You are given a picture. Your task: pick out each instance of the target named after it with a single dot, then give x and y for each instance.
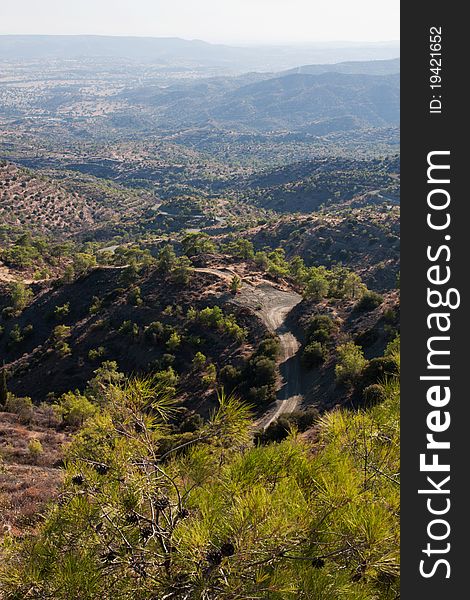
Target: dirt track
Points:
(272, 305)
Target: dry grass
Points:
(28, 480)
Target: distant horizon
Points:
(322, 43)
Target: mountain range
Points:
(177, 52)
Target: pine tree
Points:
(235, 284)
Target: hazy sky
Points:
(242, 21)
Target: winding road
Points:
(272, 305)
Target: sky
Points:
(218, 21)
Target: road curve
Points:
(289, 392)
(272, 305)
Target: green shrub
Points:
(323, 322)
(35, 448)
(235, 284)
(60, 312)
(351, 363)
(96, 353)
(210, 376)
(230, 376)
(276, 432)
(167, 379)
(305, 418)
(234, 330)
(8, 312)
(393, 349)
(261, 395)
(168, 360)
(23, 407)
(320, 335)
(20, 296)
(75, 409)
(373, 394)
(96, 305)
(317, 285)
(16, 335)
(174, 341)
(134, 297)
(379, 369)
(155, 332)
(269, 347)
(104, 376)
(191, 423)
(320, 329)
(182, 271)
(389, 315)
(314, 354)
(197, 243)
(263, 371)
(129, 328)
(240, 247)
(59, 336)
(279, 429)
(367, 337)
(369, 301)
(199, 361)
(28, 330)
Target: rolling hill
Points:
(305, 186)
(289, 103)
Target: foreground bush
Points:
(351, 363)
(214, 517)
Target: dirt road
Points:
(272, 305)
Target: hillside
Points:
(42, 205)
(65, 205)
(115, 330)
(102, 102)
(371, 328)
(306, 185)
(157, 321)
(365, 239)
(296, 100)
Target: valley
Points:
(199, 293)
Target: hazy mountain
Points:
(299, 102)
(196, 54)
(356, 67)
